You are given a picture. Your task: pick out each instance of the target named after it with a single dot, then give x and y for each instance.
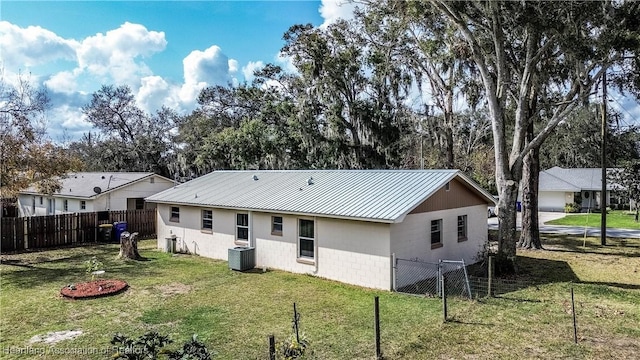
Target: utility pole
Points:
(603, 158)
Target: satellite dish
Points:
(97, 190)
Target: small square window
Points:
(462, 228)
(83, 205)
(447, 186)
(207, 220)
(152, 180)
(276, 225)
(242, 227)
(175, 214)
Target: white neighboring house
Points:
(337, 224)
(583, 186)
(94, 191)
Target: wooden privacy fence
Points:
(38, 232)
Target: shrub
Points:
(148, 346)
(571, 208)
(292, 349)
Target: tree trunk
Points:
(129, 246)
(530, 234)
(507, 219)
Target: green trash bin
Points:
(104, 232)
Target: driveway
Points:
(569, 230)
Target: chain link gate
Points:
(413, 276)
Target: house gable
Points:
(459, 195)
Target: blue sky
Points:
(165, 51)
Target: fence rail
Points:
(37, 232)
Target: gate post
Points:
(394, 272)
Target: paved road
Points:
(570, 230)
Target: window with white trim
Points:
(33, 206)
(276, 225)
(207, 220)
(83, 205)
(66, 205)
(242, 227)
(436, 233)
(175, 214)
(462, 227)
(306, 239)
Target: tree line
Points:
(496, 89)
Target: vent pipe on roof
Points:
(255, 177)
(310, 181)
(196, 195)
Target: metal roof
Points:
(374, 195)
(82, 184)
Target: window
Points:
(436, 233)
(139, 204)
(462, 228)
(66, 205)
(276, 225)
(306, 238)
(83, 205)
(175, 214)
(242, 227)
(447, 186)
(40, 200)
(207, 220)
(152, 180)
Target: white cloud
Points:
(332, 10)
(68, 123)
(155, 92)
(32, 46)
(114, 54)
(250, 68)
(64, 82)
(205, 68)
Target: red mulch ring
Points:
(94, 289)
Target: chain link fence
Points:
(423, 278)
(413, 276)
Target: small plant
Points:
(193, 349)
(294, 349)
(149, 346)
(571, 208)
(92, 265)
(145, 347)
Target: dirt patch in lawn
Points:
(55, 337)
(174, 289)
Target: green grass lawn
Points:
(615, 219)
(234, 313)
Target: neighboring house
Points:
(337, 224)
(559, 186)
(94, 191)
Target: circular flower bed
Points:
(93, 289)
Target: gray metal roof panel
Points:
(378, 195)
(81, 184)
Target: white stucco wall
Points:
(353, 252)
(411, 239)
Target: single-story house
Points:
(583, 186)
(343, 225)
(94, 191)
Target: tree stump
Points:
(129, 246)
